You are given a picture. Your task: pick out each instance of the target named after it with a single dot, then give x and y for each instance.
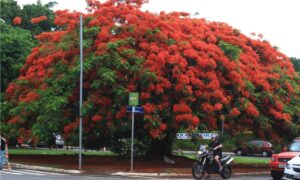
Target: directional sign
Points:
(137, 109)
(133, 99)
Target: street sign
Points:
(200, 135)
(133, 99)
(137, 109)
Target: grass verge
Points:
(57, 152)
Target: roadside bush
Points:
(122, 147)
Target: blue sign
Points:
(134, 109)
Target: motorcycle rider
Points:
(217, 150)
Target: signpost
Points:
(133, 102)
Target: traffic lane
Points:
(26, 176)
(216, 177)
(244, 178)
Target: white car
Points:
(292, 168)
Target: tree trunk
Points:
(161, 148)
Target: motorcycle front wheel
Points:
(198, 171)
(226, 172)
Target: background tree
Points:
(186, 70)
(296, 63)
(16, 44)
(10, 9)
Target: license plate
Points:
(297, 176)
(281, 166)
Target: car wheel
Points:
(264, 153)
(276, 175)
(239, 152)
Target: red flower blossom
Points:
(218, 106)
(97, 118)
(17, 20)
(195, 121)
(163, 127)
(38, 19)
(251, 110)
(235, 112)
(31, 96)
(182, 108)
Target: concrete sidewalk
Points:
(129, 174)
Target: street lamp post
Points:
(80, 103)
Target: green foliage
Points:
(36, 10)
(231, 51)
(296, 63)
(122, 147)
(170, 41)
(10, 9)
(16, 44)
(90, 32)
(264, 121)
(180, 144)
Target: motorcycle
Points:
(206, 163)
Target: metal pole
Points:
(132, 138)
(80, 103)
(222, 127)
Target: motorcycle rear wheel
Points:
(198, 171)
(226, 172)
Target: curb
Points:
(132, 174)
(42, 168)
(128, 174)
(252, 174)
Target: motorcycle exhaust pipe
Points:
(229, 161)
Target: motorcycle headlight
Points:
(288, 166)
(199, 152)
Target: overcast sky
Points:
(277, 20)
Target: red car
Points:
(255, 147)
(278, 161)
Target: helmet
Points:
(215, 136)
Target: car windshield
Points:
(295, 146)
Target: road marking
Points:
(31, 172)
(44, 172)
(9, 172)
(24, 172)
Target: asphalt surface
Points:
(25, 174)
(42, 174)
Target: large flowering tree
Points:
(188, 71)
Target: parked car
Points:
(55, 140)
(279, 161)
(264, 148)
(292, 168)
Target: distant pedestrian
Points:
(4, 153)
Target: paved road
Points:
(24, 174)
